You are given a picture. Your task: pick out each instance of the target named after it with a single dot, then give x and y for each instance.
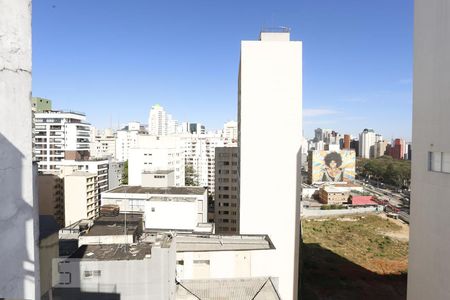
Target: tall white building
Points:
(429, 247)
(230, 132)
(103, 144)
(127, 139)
(200, 155)
(153, 153)
(81, 199)
(58, 136)
(160, 122)
(367, 141)
(270, 83)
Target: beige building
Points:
(80, 197)
(51, 196)
(333, 195)
(380, 148)
(226, 202)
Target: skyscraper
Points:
(429, 266)
(347, 141)
(367, 140)
(160, 122)
(270, 82)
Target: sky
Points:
(114, 59)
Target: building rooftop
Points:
(334, 189)
(174, 199)
(205, 242)
(362, 200)
(113, 229)
(158, 172)
(81, 173)
(185, 190)
(257, 288)
(113, 251)
(120, 251)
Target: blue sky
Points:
(114, 59)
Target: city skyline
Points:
(363, 60)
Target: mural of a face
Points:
(334, 166)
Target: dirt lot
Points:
(358, 257)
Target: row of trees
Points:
(385, 169)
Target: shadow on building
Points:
(17, 224)
(327, 275)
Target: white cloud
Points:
(317, 112)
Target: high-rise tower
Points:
(270, 102)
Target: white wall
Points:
(270, 104)
(166, 214)
(171, 215)
(429, 265)
(222, 264)
(19, 259)
(152, 278)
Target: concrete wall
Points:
(214, 264)
(270, 104)
(150, 278)
(429, 265)
(171, 215)
(311, 213)
(158, 179)
(48, 250)
(105, 239)
(19, 260)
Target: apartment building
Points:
(230, 132)
(51, 196)
(81, 197)
(200, 155)
(380, 148)
(58, 136)
(127, 139)
(226, 197)
(429, 244)
(270, 83)
(367, 141)
(103, 144)
(154, 153)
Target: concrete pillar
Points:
(19, 261)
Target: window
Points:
(153, 209)
(201, 261)
(87, 274)
(180, 262)
(439, 162)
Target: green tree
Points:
(125, 173)
(191, 178)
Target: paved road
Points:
(394, 198)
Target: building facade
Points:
(127, 139)
(380, 148)
(19, 233)
(367, 141)
(81, 199)
(51, 196)
(226, 197)
(429, 244)
(58, 136)
(270, 82)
